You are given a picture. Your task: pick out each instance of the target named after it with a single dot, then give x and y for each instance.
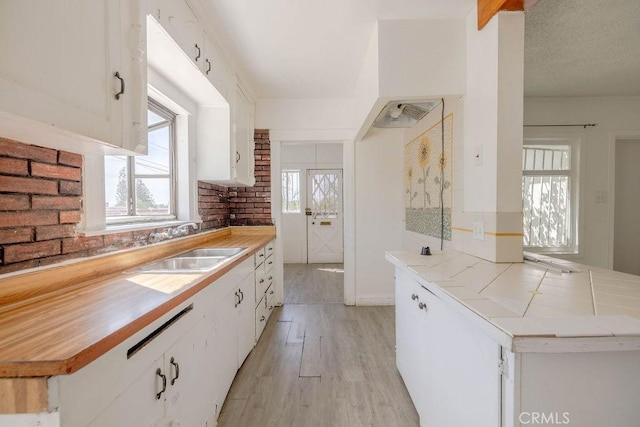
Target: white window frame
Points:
(574, 141)
(161, 110)
(282, 207)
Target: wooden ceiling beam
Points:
(488, 8)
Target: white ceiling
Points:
(314, 49)
(582, 48)
(310, 48)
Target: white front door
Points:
(324, 216)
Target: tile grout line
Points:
(534, 293)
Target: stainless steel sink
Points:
(184, 264)
(212, 252)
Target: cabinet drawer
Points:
(262, 283)
(269, 249)
(261, 316)
(259, 258)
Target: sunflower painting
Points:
(428, 172)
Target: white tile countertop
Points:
(530, 306)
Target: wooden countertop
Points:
(534, 306)
(56, 320)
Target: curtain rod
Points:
(584, 125)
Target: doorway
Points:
(312, 203)
(626, 235)
(324, 216)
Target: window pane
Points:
(546, 211)
(290, 191)
(546, 157)
(153, 118)
(157, 162)
(153, 196)
(116, 185)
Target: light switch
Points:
(601, 196)
(478, 230)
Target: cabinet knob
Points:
(261, 280)
(262, 318)
(176, 366)
(271, 293)
(414, 297)
(164, 383)
(422, 306)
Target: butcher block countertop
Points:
(541, 305)
(56, 320)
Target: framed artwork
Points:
(428, 176)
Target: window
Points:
(291, 191)
(141, 188)
(549, 196)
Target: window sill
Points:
(123, 228)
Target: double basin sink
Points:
(195, 261)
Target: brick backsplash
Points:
(252, 205)
(41, 203)
(220, 206)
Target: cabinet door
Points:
(177, 18)
(183, 362)
(226, 344)
(243, 163)
(57, 74)
(214, 66)
(412, 357)
(246, 319)
(139, 405)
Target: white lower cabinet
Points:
(168, 390)
(450, 367)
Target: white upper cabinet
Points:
(214, 65)
(177, 18)
(242, 164)
(73, 74)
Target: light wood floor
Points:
(321, 364)
(313, 283)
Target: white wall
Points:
(304, 156)
(415, 241)
(615, 116)
(378, 213)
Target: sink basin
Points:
(212, 252)
(183, 264)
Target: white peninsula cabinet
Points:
(73, 74)
(475, 349)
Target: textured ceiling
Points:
(314, 49)
(582, 48)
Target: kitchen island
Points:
(548, 342)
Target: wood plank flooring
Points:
(321, 364)
(313, 283)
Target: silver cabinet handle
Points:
(422, 306)
(262, 318)
(414, 297)
(209, 64)
(198, 55)
(238, 299)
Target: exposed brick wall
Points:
(40, 205)
(252, 205)
(213, 205)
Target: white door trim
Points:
(348, 175)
